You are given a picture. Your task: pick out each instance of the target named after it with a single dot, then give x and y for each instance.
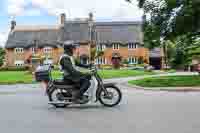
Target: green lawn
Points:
(13, 77)
(169, 81)
(106, 74)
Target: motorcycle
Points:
(61, 94)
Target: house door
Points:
(84, 60)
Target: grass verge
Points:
(25, 77)
(168, 81)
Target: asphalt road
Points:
(24, 109)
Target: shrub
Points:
(2, 54)
(106, 67)
(14, 68)
(125, 61)
(140, 60)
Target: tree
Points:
(176, 21)
(184, 50)
(95, 54)
(2, 54)
(174, 17)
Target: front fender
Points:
(109, 84)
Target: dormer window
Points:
(19, 50)
(101, 47)
(47, 49)
(132, 46)
(116, 46)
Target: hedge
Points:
(14, 68)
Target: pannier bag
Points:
(42, 73)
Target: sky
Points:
(46, 12)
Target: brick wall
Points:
(10, 57)
(55, 54)
(125, 53)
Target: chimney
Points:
(13, 24)
(62, 18)
(91, 16)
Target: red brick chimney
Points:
(62, 18)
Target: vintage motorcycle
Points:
(60, 92)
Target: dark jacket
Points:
(70, 72)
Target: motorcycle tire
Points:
(113, 104)
(51, 100)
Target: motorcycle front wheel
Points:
(112, 98)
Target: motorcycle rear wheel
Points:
(52, 95)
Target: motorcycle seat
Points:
(62, 82)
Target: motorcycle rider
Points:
(71, 73)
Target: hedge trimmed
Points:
(14, 68)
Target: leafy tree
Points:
(179, 59)
(171, 18)
(95, 54)
(176, 21)
(2, 54)
(184, 50)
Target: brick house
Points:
(121, 39)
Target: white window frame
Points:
(33, 50)
(101, 61)
(47, 50)
(115, 46)
(19, 50)
(132, 46)
(133, 60)
(19, 63)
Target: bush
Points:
(125, 61)
(2, 54)
(140, 60)
(14, 68)
(106, 67)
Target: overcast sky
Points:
(44, 12)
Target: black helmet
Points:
(68, 47)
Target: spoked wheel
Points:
(57, 98)
(112, 98)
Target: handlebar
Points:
(93, 69)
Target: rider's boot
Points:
(79, 98)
